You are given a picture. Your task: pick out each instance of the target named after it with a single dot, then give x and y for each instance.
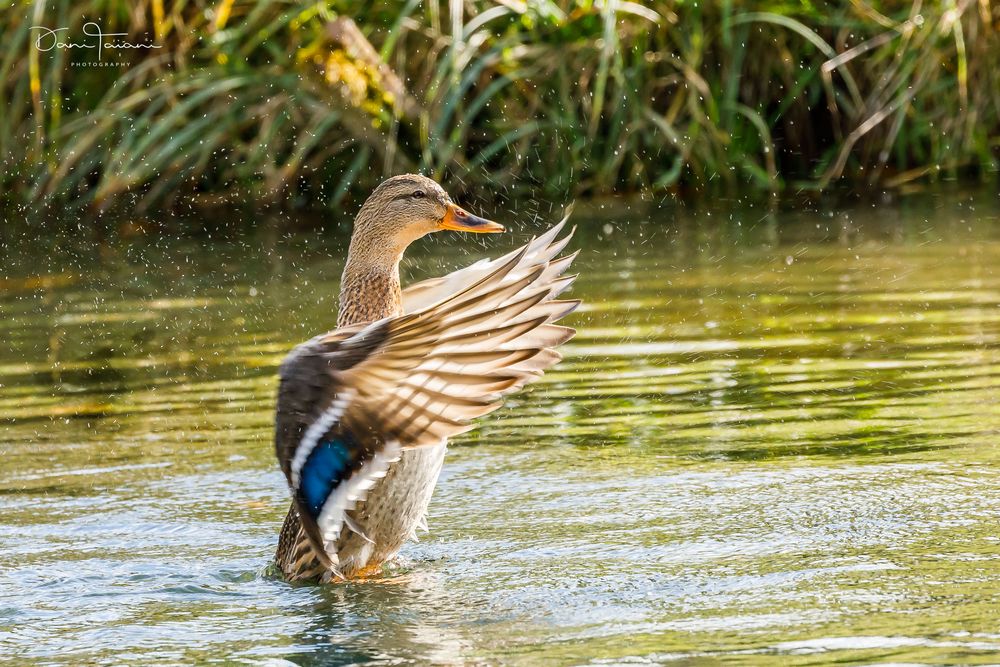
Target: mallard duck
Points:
(364, 411)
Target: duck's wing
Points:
(350, 401)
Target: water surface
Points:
(776, 434)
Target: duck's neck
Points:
(369, 288)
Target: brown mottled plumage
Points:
(389, 221)
(364, 411)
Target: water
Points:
(774, 435)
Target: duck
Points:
(364, 412)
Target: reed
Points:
(301, 104)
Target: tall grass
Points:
(309, 103)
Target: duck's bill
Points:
(460, 220)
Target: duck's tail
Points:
(295, 555)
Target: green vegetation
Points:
(308, 103)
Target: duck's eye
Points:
(419, 194)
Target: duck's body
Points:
(364, 412)
(391, 514)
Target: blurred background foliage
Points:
(306, 104)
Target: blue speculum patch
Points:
(323, 471)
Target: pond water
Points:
(775, 434)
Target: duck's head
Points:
(404, 208)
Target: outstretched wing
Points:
(350, 401)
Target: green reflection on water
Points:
(775, 434)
